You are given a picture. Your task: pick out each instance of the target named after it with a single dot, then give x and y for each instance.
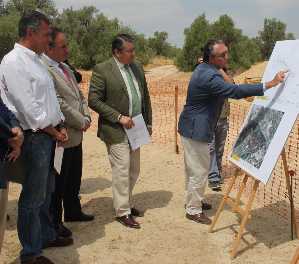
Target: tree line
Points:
(244, 51)
(90, 33)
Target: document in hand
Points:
(58, 158)
(138, 135)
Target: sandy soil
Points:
(162, 72)
(166, 236)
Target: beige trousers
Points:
(3, 207)
(125, 165)
(197, 162)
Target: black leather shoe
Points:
(79, 218)
(59, 242)
(63, 231)
(37, 260)
(43, 260)
(215, 186)
(206, 206)
(136, 212)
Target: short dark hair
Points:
(209, 48)
(31, 20)
(54, 31)
(119, 40)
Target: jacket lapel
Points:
(73, 81)
(116, 73)
(67, 83)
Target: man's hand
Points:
(63, 131)
(126, 122)
(279, 77)
(225, 76)
(86, 125)
(15, 143)
(56, 134)
(14, 154)
(59, 137)
(17, 140)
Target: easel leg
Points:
(290, 193)
(245, 218)
(240, 192)
(224, 199)
(296, 257)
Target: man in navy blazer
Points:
(11, 139)
(207, 90)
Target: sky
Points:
(173, 16)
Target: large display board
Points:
(271, 117)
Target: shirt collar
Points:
(27, 51)
(50, 62)
(119, 64)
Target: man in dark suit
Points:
(118, 91)
(206, 93)
(11, 140)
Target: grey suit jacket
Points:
(72, 104)
(206, 93)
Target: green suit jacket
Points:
(108, 97)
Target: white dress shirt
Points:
(122, 70)
(29, 89)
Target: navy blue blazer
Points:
(206, 93)
(7, 121)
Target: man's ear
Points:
(116, 53)
(29, 32)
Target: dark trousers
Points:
(67, 185)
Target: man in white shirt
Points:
(30, 94)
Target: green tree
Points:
(21, 6)
(274, 30)
(159, 44)
(224, 28)
(195, 37)
(243, 50)
(2, 8)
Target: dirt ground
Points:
(166, 236)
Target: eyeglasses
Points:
(222, 55)
(128, 50)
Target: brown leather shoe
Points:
(128, 221)
(60, 242)
(199, 218)
(136, 212)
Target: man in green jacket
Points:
(118, 91)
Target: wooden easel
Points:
(295, 257)
(245, 212)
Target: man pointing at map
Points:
(206, 93)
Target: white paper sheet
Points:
(138, 135)
(58, 158)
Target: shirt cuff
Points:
(264, 87)
(119, 117)
(87, 118)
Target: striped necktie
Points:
(65, 72)
(136, 103)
